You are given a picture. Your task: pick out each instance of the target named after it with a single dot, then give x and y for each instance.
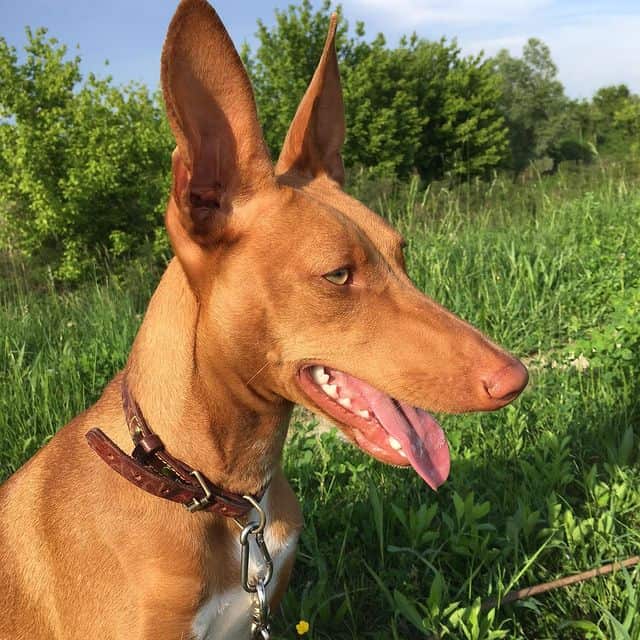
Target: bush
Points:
(84, 166)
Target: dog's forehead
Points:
(328, 198)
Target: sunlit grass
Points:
(547, 487)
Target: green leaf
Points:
(408, 610)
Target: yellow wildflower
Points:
(302, 627)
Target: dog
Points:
(283, 290)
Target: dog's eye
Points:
(339, 276)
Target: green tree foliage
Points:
(464, 135)
(420, 106)
(627, 120)
(286, 59)
(615, 114)
(383, 116)
(83, 165)
(534, 106)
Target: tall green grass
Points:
(547, 487)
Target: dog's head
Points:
(302, 290)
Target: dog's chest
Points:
(227, 615)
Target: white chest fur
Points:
(227, 615)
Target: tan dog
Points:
(284, 290)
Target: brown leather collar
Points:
(152, 468)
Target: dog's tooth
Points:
(402, 453)
(318, 374)
(395, 444)
(363, 413)
(331, 390)
(345, 402)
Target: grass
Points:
(547, 487)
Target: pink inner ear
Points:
(196, 204)
(205, 203)
(206, 197)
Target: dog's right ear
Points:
(221, 157)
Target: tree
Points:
(419, 107)
(463, 133)
(533, 103)
(284, 63)
(627, 117)
(384, 123)
(83, 165)
(614, 111)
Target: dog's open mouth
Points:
(391, 431)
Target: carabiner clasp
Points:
(255, 529)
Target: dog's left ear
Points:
(315, 137)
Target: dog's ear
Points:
(315, 137)
(221, 157)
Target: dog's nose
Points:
(505, 385)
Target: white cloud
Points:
(590, 53)
(593, 44)
(413, 13)
(598, 53)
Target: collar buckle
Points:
(197, 504)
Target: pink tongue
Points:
(421, 437)
(423, 441)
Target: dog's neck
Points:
(212, 420)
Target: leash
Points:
(154, 470)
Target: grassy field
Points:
(545, 488)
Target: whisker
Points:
(257, 373)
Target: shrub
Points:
(84, 166)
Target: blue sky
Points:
(594, 43)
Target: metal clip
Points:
(256, 529)
(260, 627)
(198, 504)
(251, 529)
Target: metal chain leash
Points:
(260, 618)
